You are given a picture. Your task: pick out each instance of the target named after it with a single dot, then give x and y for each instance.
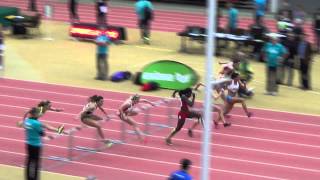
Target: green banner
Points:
(169, 74)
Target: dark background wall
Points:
(309, 5)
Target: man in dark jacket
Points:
(304, 51)
(316, 24)
(32, 5)
(73, 9)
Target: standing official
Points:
(305, 56)
(102, 42)
(144, 11)
(32, 5)
(1, 49)
(274, 53)
(73, 10)
(102, 11)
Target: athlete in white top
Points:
(232, 98)
(216, 95)
(127, 109)
(88, 118)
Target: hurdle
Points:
(149, 124)
(71, 146)
(98, 147)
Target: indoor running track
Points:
(270, 145)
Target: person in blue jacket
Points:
(144, 11)
(183, 173)
(34, 130)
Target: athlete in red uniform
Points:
(184, 112)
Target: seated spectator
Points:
(183, 173)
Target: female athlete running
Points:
(231, 98)
(127, 109)
(215, 107)
(88, 118)
(185, 112)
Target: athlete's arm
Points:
(147, 102)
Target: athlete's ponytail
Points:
(44, 103)
(174, 93)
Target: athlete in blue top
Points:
(182, 174)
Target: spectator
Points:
(102, 11)
(144, 11)
(285, 9)
(299, 13)
(73, 9)
(1, 49)
(273, 54)
(257, 32)
(102, 42)
(284, 23)
(233, 18)
(32, 5)
(183, 173)
(316, 25)
(260, 7)
(305, 56)
(289, 63)
(298, 27)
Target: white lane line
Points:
(190, 141)
(243, 126)
(254, 117)
(170, 163)
(87, 88)
(198, 131)
(81, 105)
(94, 165)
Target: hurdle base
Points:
(57, 158)
(158, 125)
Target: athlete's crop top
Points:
(233, 86)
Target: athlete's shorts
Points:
(229, 99)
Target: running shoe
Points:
(108, 143)
(190, 133)
(169, 142)
(227, 124)
(60, 129)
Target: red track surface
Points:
(124, 16)
(271, 145)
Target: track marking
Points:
(243, 126)
(94, 165)
(255, 117)
(122, 92)
(191, 141)
(170, 163)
